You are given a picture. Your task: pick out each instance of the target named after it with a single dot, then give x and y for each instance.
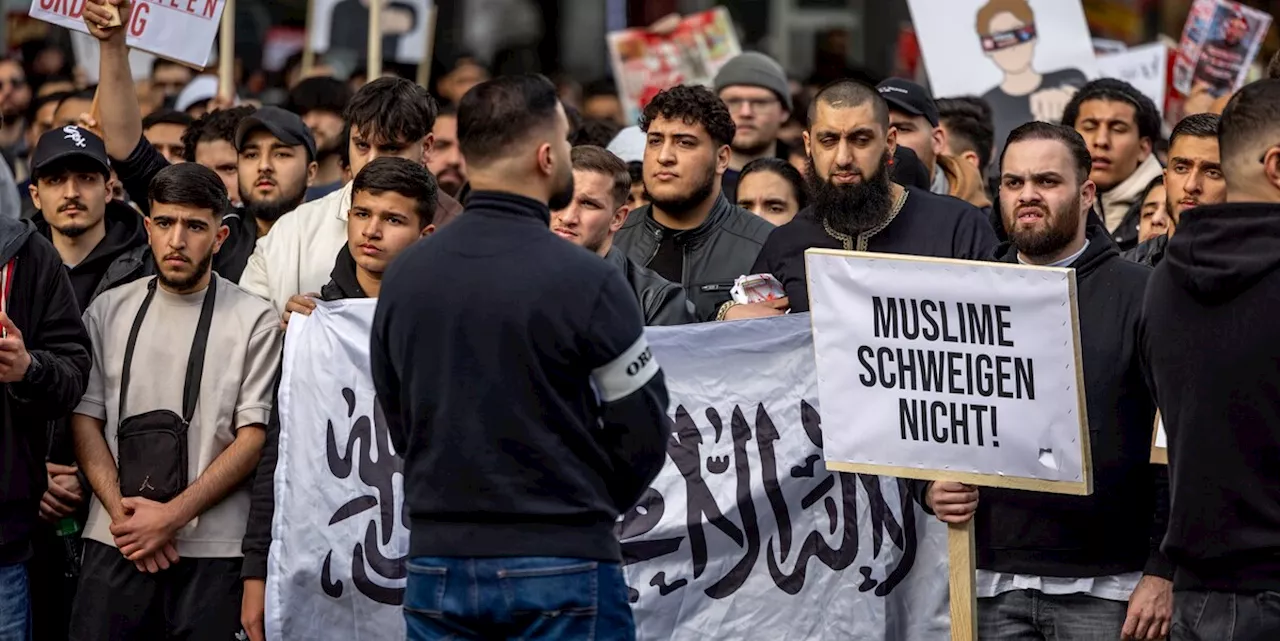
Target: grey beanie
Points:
(754, 69)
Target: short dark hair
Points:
(1273, 67)
(326, 94)
(636, 169)
(501, 112)
(969, 125)
(1068, 136)
(1251, 117)
(599, 160)
(190, 184)
(596, 132)
(1113, 90)
(213, 126)
(165, 62)
(86, 94)
(692, 105)
(166, 117)
(447, 109)
(782, 168)
(394, 109)
(1197, 126)
(605, 87)
(846, 93)
(404, 177)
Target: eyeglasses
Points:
(1005, 39)
(757, 104)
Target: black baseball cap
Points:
(286, 126)
(908, 97)
(57, 145)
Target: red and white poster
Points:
(181, 30)
(1219, 43)
(645, 62)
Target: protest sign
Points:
(1145, 67)
(1219, 42)
(1159, 443)
(181, 30)
(85, 49)
(743, 534)
(344, 25)
(645, 63)
(1026, 58)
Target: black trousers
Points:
(195, 600)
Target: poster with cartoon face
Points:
(1026, 58)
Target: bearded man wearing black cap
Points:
(277, 164)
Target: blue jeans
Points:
(526, 598)
(15, 604)
(1029, 615)
(1225, 616)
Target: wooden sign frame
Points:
(960, 540)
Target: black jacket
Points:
(1118, 529)
(519, 387)
(43, 307)
(98, 271)
(716, 252)
(262, 499)
(662, 301)
(1149, 253)
(1211, 344)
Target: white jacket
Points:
(298, 254)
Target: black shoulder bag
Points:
(152, 447)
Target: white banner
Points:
(344, 24)
(949, 366)
(181, 30)
(1145, 67)
(743, 535)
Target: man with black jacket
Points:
(393, 204)
(515, 378)
(601, 183)
(1209, 339)
(1069, 567)
(44, 367)
(689, 233)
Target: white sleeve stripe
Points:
(627, 373)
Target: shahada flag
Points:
(743, 535)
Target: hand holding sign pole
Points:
(956, 372)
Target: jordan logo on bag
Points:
(146, 484)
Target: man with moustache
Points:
(1193, 178)
(855, 205)
(514, 374)
(1074, 567)
(446, 161)
(162, 555)
(690, 233)
(277, 164)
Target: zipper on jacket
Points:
(657, 246)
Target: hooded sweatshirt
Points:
(125, 232)
(42, 306)
(1211, 344)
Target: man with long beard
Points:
(1074, 567)
(855, 205)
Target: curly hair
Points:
(215, 125)
(692, 105)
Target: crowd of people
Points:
(137, 488)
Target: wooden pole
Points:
(428, 50)
(227, 52)
(964, 600)
(374, 68)
(309, 52)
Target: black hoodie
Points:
(43, 308)
(1210, 339)
(125, 232)
(1118, 528)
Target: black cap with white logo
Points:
(909, 97)
(59, 145)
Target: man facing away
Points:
(1210, 343)
(162, 557)
(1064, 567)
(517, 382)
(601, 183)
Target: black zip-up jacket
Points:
(519, 386)
(262, 499)
(716, 252)
(662, 301)
(1211, 345)
(1149, 253)
(43, 307)
(125, 232)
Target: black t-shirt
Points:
(928, 225)
(669, 261)
(1010, 112)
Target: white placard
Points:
(1033, 66)
(344, 24)
(85, 48)
(181, 30)
(945, 368)
(1145, 67)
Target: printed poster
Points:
(344, 25)
(1219, 43)
(181, 31)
